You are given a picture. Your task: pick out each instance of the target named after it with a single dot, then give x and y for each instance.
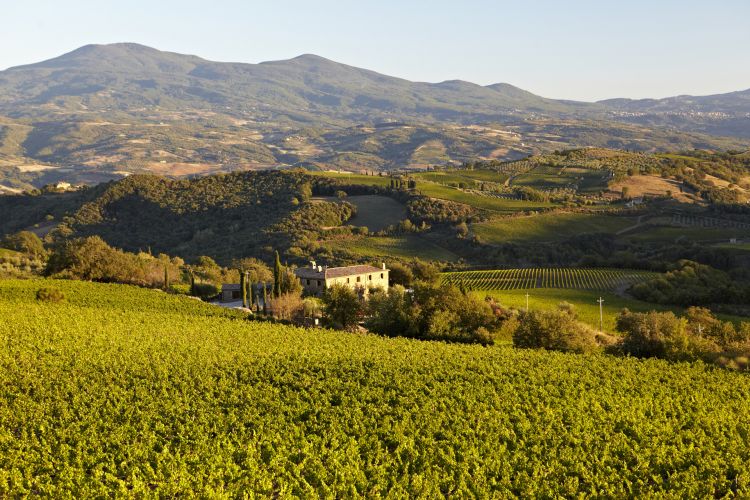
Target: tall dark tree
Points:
(243, 290)
(265, 298)
(166, 277)
(253, 299)
(277, 276)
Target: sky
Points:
(574, 49)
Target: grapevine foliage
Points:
(130, 392)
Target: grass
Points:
(740, 247)
(548, 227)
(376, 212)
(671, 234)
(118, 391)
(583, 300)
(368, 180)
(405, 247)
(8, 254)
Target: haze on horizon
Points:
(585, 50)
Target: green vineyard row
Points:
(527, 278)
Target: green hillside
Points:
(143, 393)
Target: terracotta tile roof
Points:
(308, 273)
(338, 272)
(335, 272)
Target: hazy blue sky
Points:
(565, 49)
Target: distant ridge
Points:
(103, 111)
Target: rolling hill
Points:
(104, 111)
(721, 114)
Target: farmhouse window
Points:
(358, 280)
(381, 276)
(369, 277)
(319, 283)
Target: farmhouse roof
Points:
(335, 272)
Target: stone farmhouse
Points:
(316, 279)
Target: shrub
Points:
(205, 290)
(432, 312)
(49, 294)
(554, 330)
(288, 307)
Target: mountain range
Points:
(104, 111)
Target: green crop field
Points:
(469, 177)
(118, 391)
(672, 234)
(404, 246)
(369, 180)
(528, 278)
(549, 227)
(376, 212)
(485, 175)
(484, 202)
(547, 177)
(584, 301)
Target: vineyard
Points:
(121, 392)
(528, 278)
(707, 222)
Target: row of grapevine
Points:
(708, 222)
(527, 278)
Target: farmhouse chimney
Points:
(383, 263)
(312, 264)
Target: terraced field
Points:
(529, 278)
(405, 247)
(546, 177)
(549, 227)
(490, 203)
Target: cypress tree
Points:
(277, 276)
(192, 283)
(252, 295)
(166, 277)
(265, 298)
(242, 288)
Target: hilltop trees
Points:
(691, 284)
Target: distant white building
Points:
(634, 202)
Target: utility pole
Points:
(527, 301)
(601, 315)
